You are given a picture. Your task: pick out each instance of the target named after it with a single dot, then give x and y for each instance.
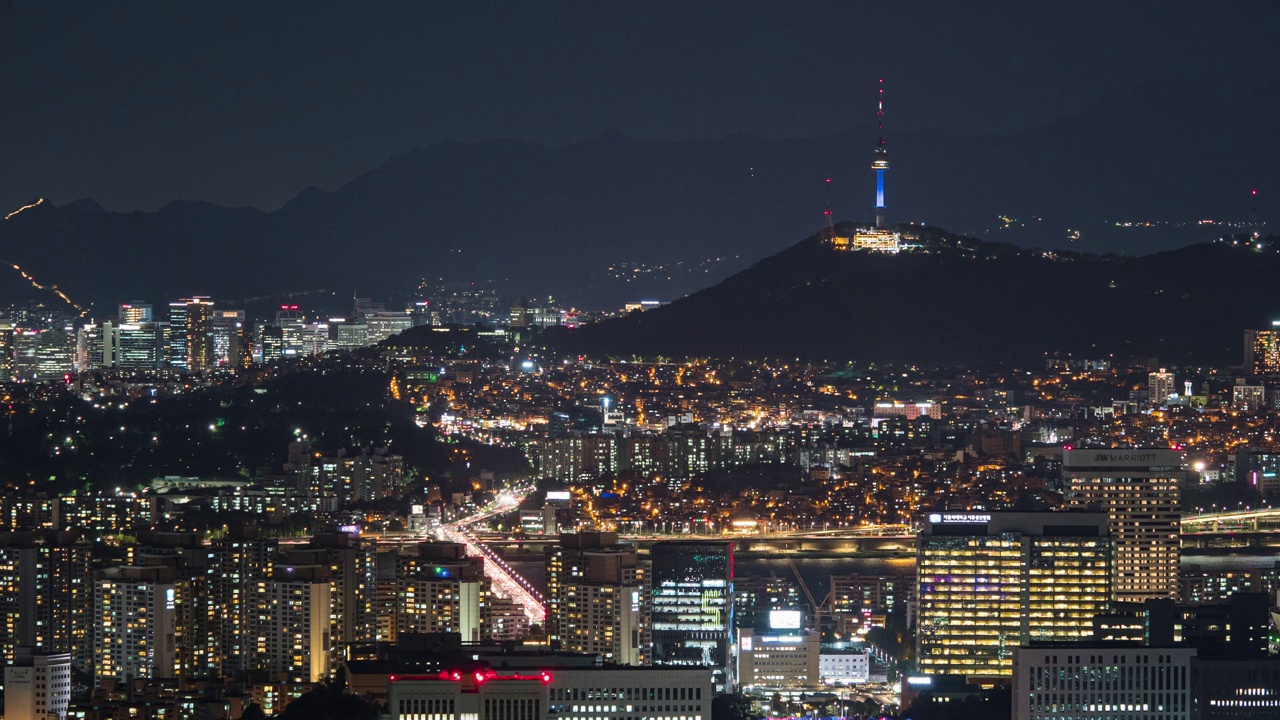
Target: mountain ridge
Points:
(554, 220)
(960, 301)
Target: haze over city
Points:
(661, 361)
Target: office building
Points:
(134, 313)
(1056, 681)
(1138, 489)
(89, 347)
(550, 688)
(692, 585)
(784, 655)
(133, 346)
(176, 350)
(382, 325)
(134, 628)
(844, 667)
(291, 323)
(1235, 689)
(988, 582)
(44, 354)
(619, 693)
(469, 695)
(228, 340)
(597, 598)
(37, 686)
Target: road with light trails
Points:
(506, 582)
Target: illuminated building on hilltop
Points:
(1139, 490)
(989, 582)
(693, 605)
(878, 238)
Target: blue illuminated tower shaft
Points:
(880, 161)
(880, 198)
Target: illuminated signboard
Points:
(919, 680)
(784, 619)
(557, 494)
(969, 518)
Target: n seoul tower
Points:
(880, 161)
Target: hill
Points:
(960, 300)
(603, 222)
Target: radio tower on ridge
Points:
(880, 160)
(829, 228)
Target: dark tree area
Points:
(991, 705)
(325, 703)
(730, 707)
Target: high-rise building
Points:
(200, 355)
(1138, 489)
(692, 584)
(382, 325)
(441, 590)
(133, 346)
(6, 350)
(191, 334)
(598, 601)
(134, 313)
(44, 354)
(290, 625)
(176, 352)
(241, 559)
(1262, 350)
(353, 577)
(1159, 386)
(134, 623)
(89, 347)
(45, 593)
(37, 686)
(988, 582)
(227, 338)
(291, 321)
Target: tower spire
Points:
(829, 227)
(880, 160)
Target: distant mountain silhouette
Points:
(553, 221)
(961, 301)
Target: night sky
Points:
(136, 104)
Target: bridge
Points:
(1261, 520)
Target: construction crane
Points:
(819, 609)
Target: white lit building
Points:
(37, 686)
(778, 658)
(844, 668)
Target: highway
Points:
(507, 583)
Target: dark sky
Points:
(139, 103)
